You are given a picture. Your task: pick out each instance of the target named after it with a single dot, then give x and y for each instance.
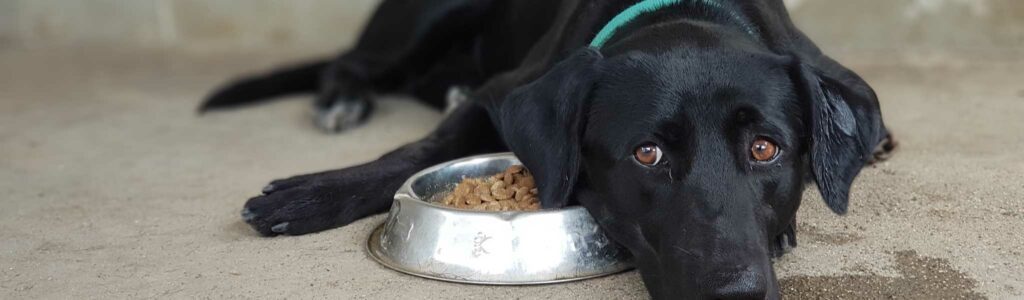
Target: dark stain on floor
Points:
(920, 278)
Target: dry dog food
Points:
(512, 189)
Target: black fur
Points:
(556, 101)
(701, 81)
(300, 79)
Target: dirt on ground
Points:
(919, 278)
(112, 187)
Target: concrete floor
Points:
(111, 187)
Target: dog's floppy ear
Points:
(542, 124)
(845, 125)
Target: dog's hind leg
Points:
(448, 83)
(263, 87)
(315, 202)
(404, 38)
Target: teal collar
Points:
(647, 6)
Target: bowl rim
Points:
(405, 192)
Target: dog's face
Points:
(696, 167)
(693, 159)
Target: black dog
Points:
(689, 135)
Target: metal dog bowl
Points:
(502, 248)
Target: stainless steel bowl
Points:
(503, 248)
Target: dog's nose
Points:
(742, 285)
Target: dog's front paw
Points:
(300, 205)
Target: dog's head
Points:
(695, 158)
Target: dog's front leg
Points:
(319, 201)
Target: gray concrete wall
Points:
(190, 24)
(953, 25)
(324, 25)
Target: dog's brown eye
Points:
(647, 154)
(763, 150)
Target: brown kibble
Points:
(482, 189)
(508, 179)
(473, 199)
(510, 190)
(521, 193)
(499, 191)
(518, 179)
(526, 181)
(531, 199)
(463, 189)
(507, 205)
(460, 203)
(502, 194)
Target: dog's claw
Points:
(248, 215)
(268, 189)
(884, 150)
(785, 242)
(341, 115)
(280, 228)
(457, 95)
